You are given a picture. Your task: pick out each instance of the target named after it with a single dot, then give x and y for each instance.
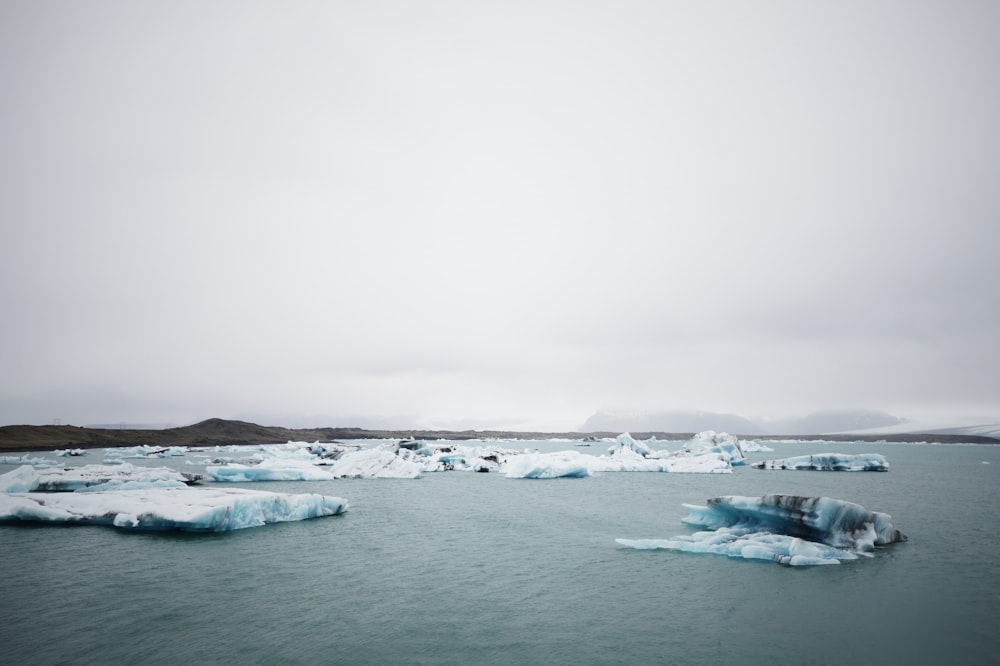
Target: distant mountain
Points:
(677, 421)
(829, 421)
(933, 429)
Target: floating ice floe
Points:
(70, 453)
(185, 509)
(788, 529)
(753, 446)
(94, 477)
(561, 464)
(626, 445)
(24, 460)
(145, 451)
(296, 462)
(720, 443)
(700, 455)
(409, 459)
(829, 462)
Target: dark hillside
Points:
(214, 432)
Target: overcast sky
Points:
(496, 214)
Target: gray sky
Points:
(507, 214)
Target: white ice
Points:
(753, 446)
(720, 443)
(186, 509)
(296, 462)
(748, 544)
(830, 462)
(701, 455)
(26, 459)
(561, 464)
(145, 452)
(93, 477)
(22, 480)
(788, 529)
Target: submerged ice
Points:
(787, 529)
(160, 509)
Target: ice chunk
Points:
(720, 443)
(24, 460)
(271, 470)
(22, 480)
(626, 455)
(144, 451)
(625, 445)
(747, 544)
(831, 521)
(91, 477)
(700, 464)
(562, 464)
(487, 458)
(186, 509)
(788, 529)
(379, 462)
(297, 463)
(754, 445)
(107, 477)
(829, 462)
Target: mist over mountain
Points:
(670, 421)
(821, 422)
(829, 421)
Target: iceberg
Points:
(22, 480)
(829, 462)
(144, 451)
(747, 544)
(788, 529)
(164, 509)
(754, 445)
(24, 460)
(272, 470)
(94, 477)
(295, 462)
(562, 464)
(627, 446)
(702, 455)
(720, 443)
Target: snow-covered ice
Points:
(829, 462)
(788, 529)
(185, 509)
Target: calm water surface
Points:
(463, 567)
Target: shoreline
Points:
(220, 432)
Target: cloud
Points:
(503, 213)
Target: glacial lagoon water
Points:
(460, 568)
